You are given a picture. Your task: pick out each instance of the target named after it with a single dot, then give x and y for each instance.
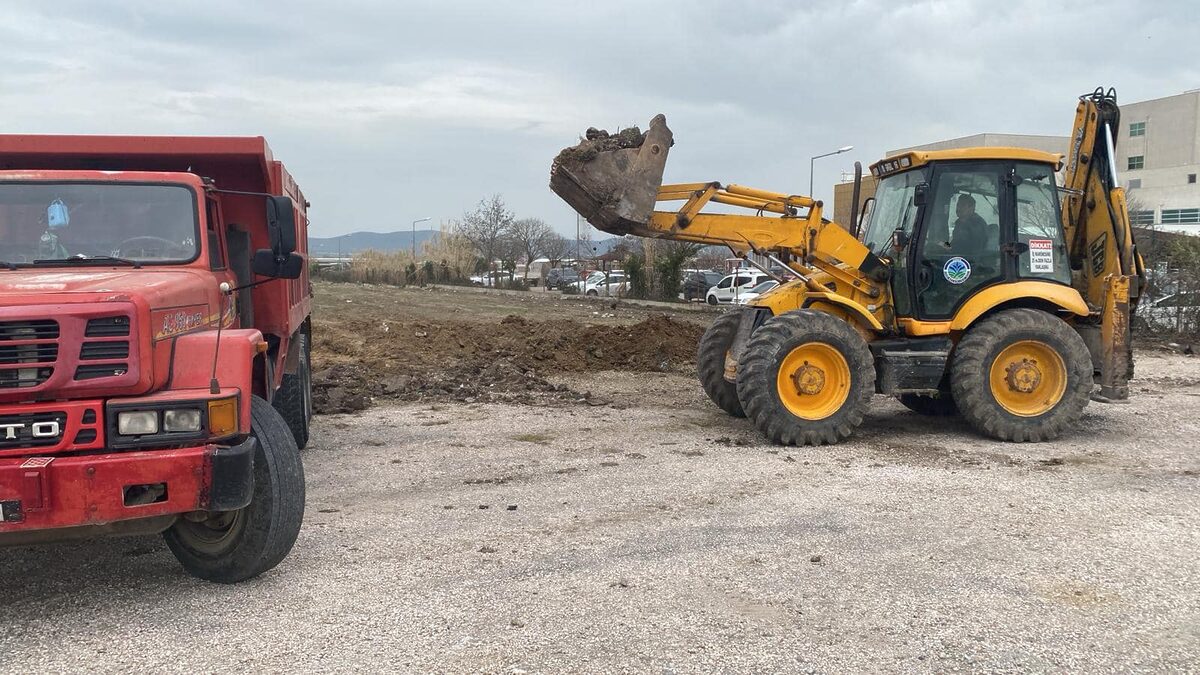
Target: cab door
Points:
(966, 217)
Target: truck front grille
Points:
(28, 351)
(32, 430)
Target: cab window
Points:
(1039, 225)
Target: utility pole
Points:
(414, 236)
(812, 161)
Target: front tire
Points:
(293, 400)
(710, 363)
(806, 377)
(238, 545)
(1021, 375)
(712, 300)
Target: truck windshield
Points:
(894, 209)
(50, 222)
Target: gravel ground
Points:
(654, 533)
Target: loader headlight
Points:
(181, 419)
(137, 422)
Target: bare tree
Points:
(555, 248)
(711, 258)
(529, 236)
(486, 228)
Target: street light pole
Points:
(813, 160)
(414, 236)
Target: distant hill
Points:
(357, 242)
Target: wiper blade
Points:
(82, 259)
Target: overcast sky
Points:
(389, 111)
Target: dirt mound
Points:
(356, 361)
(596, 141)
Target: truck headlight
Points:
(182, 419)
(137, 422)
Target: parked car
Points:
(613, 284)
(561, 276)
(752, 293)
(492, 278)
(589, 278)
(1174, 312)
(734, 285)
(696, 284)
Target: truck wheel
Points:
(237, 545)
(1021, 375)
(941, 405)
(806, 378)
(710, 363)
(293, 400)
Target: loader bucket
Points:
(613, 180)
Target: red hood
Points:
(151, 288)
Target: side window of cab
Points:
(216, 252)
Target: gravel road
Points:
(654, 533)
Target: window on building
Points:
(1135, 183)
(1137, 162)
(1180, 216)
(1191, 178)
(1141, 217)
(1137, 129)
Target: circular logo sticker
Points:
(957, 270)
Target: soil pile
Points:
(356, 361)
(596, 141)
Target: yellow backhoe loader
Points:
(973, 283)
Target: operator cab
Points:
(955, 222)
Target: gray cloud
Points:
(391, 111)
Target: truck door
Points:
(959, 249)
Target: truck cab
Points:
(154, 337)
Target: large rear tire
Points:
(806, 377)
(294, 399)
(1021, 375)
(238, 545)
(710, 363)
(941, 405)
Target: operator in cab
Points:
(970, 233)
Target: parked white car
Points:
(746, 296)
(589, 278)
(1174, 312)
(733, 286)
(492, 278)
(614, 284)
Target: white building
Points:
(1158, 158)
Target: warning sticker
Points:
(1041, 256)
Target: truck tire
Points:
(238, 545)
(806, 377)
(1021, 375)
(293, 400)
(710, 363)
(941, 405)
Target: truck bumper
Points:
(47, 492)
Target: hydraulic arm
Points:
(617, 190)
(1106, 268)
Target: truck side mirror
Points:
(267, 264)
(919, 194)
(281, 224)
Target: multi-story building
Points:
(1158, 159)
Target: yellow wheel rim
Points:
(813, 381)
(1028, 378)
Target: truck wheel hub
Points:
(809, 379)
(1023, 376)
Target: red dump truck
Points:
(154, 346)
